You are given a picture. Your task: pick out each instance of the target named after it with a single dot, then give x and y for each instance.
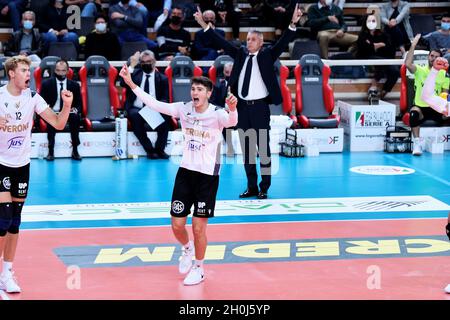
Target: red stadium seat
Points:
(314, 102)
(99, 94)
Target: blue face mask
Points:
(28, 24)
(445, 26)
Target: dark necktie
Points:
(61, 88)
(248, 72)
(147, 84)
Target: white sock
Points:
(7, 267)
(199, 263)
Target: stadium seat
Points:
(46, 69)
(285, 108)
(99, 94)
(130, 48)
(179, 73)
(314, 102)
(65, 50)
(215, 72)
(3, 75)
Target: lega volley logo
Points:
(382, 170)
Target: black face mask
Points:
(176, 20)
(147, 68)
(60, 78)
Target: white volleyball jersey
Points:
(15, 137)
(202, 131)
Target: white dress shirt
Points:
(138, 102)
(257, 89)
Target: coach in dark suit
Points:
(51, 92)
(254, 82)
(144, 74)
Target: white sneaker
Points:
(447, 288)
(417, 148)
(186, 258)
(195, 276)
(8, 283)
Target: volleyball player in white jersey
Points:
(197, 179)
(440, 105)
(17, 106)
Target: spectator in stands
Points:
(374, 43)
(421, 111)
(126, 22)
(26, 41)
(327, 20)
(173, 39)
(89, 8)
(54, 26)
(441, 38)
(143, 72)
(226, 14)
(51, 92)
(142, 7)
(14, 8)
(188, 7)
(204, 48)
(279, 12)
(218, 98)
(395, 17)
(102, 42)
(158, 10)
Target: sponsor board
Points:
(257, 251)
(307, 206)
(103, 144)
(365, 125)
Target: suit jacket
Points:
(161, 88)
(266, 59)
(49, 92)
(13, 45)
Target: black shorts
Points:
(15, 180)
(194, 188)
(431, 114)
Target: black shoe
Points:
(162, 154)
(152, 155)
(249, 193)
(50, 157)
(262, 195)
(76, 155)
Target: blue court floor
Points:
(101, 180)
(329, 223)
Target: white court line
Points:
(3, 295)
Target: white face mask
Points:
(371, 25)
(328, 2)
(100, 27)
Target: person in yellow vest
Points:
(421, 111)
